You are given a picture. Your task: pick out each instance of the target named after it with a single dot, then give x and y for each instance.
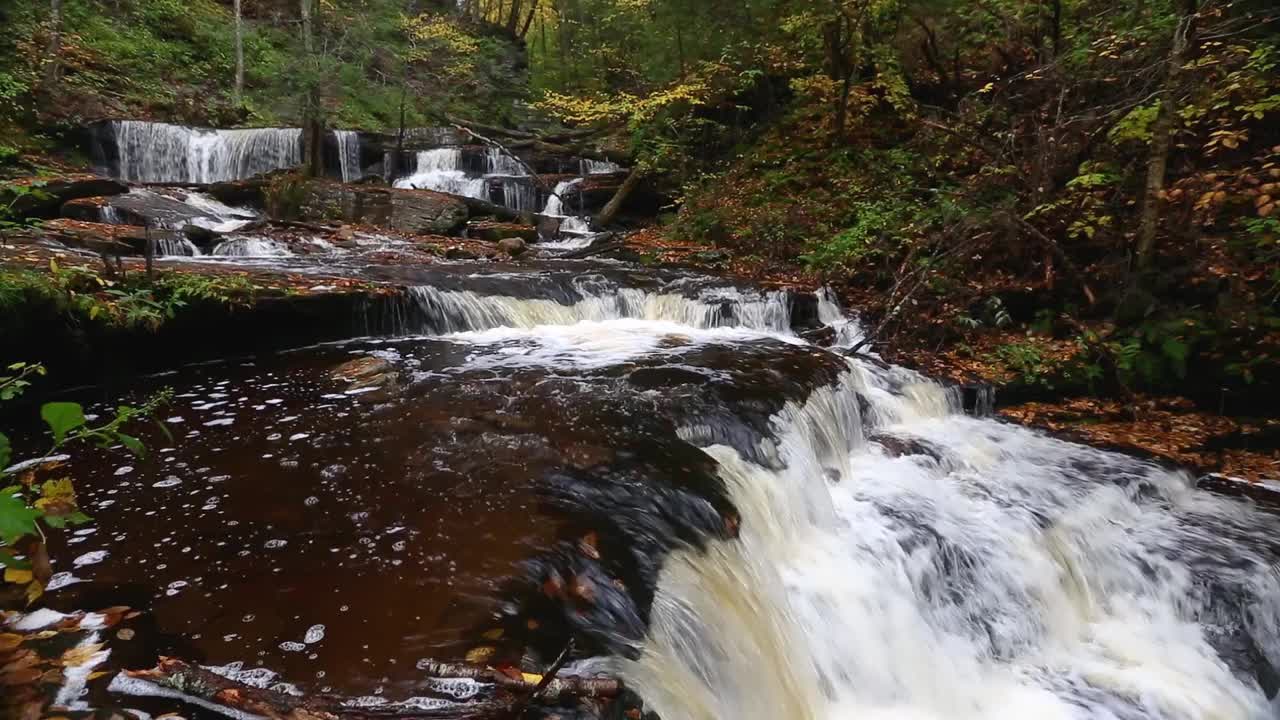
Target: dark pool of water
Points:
(339, 536)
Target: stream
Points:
(895, 557)
(737, 522)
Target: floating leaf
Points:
(17, 577)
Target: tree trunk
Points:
(53, 53)
(528, 21)
(513, 17)
(614, 206)
(1162, 135)
(239, 89)
(313, 124)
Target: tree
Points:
(313, 120)
(1162, 133)
(53, 54)
(239, 89)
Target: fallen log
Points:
(508, 694)
(619, 198)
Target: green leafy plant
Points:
(27, 505)
(13, 193)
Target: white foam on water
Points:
(998, 574)
(37, 620)
(124, 685)
(76, 677)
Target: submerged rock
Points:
(512, 246)
(366, 372)
(495, 231)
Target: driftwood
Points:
(614, 206)
(509, 694)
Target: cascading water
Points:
(599, 167)
(455, 311)
(180, 248)
(574, 231)
(348, 154)
(985, 572)
(441, 169)
(160, 153)
(498, 162)
(250, 247)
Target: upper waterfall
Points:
(348, 154)
(148, 152)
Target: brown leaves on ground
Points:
(1168, 428)
(32, 663)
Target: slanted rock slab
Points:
(48, 194)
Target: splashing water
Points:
(158, 152)
(441, 170)
(463, 311)
(992, 572)
(599, 167)
(251, 247)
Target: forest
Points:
(1066, 213)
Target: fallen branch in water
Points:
(509, 694)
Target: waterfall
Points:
(448, 311)
(575, 231)
(987, 571)
(519, 193)
(182, 247)
(251, 247)
(599, 167)
(441, 169)
(160, 153)
(348, 154)
(555, 203)
(498, 162)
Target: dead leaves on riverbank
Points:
(1167, 428)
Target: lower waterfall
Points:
(986, 571)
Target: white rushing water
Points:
(159, 152)
(348, 154)
(251, 247)
(466, 311)
(992, 573)
(441, 169)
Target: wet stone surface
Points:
(337, 531)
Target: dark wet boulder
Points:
(411, 211)
(139, 207)
(100, 237)
(900, 446)
(43, 197)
